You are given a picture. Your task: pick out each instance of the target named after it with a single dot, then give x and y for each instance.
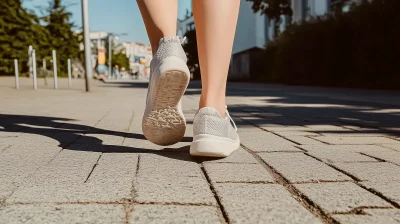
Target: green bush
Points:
(355, 49)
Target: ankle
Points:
(220, 107)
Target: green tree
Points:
(272, 8)
(63, 39)
(19, 28)
(190, 48)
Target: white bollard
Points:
(55, 69)
(16, 73)
(69, 73)
(34, 69)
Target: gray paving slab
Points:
(261, 203)
(114, 168)
(330, 155)
(372, 171)
(72, 193)
(297, 167)
(340, 197)
(256, 141)
(182, 190)
(72, 213)
(390, 189)
(373, 216)
(168, 165)
(174, 214)
(238, 156)
(245, 173)
(354, 140)
(386, 155)
(110, 138)
(304, 140)
(295, 133)
(392, 146)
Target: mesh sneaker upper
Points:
(209, 121)
(169, 46)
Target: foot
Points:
(163, 121)
(213, 135)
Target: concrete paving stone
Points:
(297, 167)
(8, 134)
(372, 171)
(373, 216)
(6, 188)
(168, 165)
(354, 140)
(351, 148)
(93, 192)
(238, 156)
(114, 167)
(387, 155)
(340, 197)
(258, 141)
(56, 138)
(295, 133)
(392, 146)
(227, 172)
(3, 147)
(304, 140)
(143, 144)
(19, 162)
(390, 189)
(110, 138)
(68, 167)
(334, 156)
(261, 122)
(261, 203)
(325, 127)
(183, 190)
(51, 213)
(174, 214)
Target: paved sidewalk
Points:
(308, 155)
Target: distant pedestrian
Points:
(116, 72)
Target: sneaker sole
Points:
(165, 123)
(213, 146)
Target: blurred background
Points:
(340, 43)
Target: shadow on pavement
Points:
(72, 136)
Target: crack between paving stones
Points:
(129, 126)
(296, 194)
(220, 206)
(357, 182)
(94, 166)
(359, 210)
(379, 159)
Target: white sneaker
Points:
(163, 121)
(213, 135)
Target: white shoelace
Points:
(230, 118)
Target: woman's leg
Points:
(215, 27)
(160, 17)
(213, 133)
(163, 121)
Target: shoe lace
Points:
(230, 118)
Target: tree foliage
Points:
(19, 28)
(272, 8)
(354, 49)
(63, 39)
(190, 48)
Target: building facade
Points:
(139, 56)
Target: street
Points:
(308, 155)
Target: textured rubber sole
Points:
(213, 146)
(165, 124)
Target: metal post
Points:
(110, 75)
(55, 69)
(69, 73)
(85, 22)
(34, 69)
(44, 63)
(16, 73)
(30, 48)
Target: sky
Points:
(116, 16)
